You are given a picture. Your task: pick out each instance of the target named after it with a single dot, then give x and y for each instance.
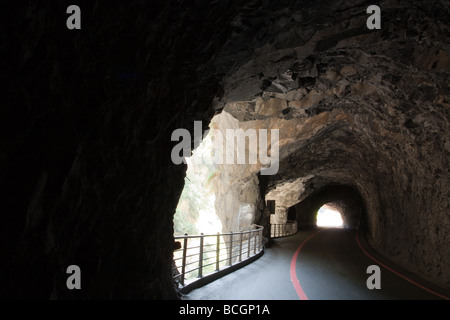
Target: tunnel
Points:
(86, 174)
(343, 199)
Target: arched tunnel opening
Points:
(341, 198)
(196, 212)
(329, 216)
(86, 174)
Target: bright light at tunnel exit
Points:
(196, 212)
(329, 218)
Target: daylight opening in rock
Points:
(195, 212)
(327, 217)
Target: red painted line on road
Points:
(298, 288)
(398, 273)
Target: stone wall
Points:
(237, 197)
(86, 176)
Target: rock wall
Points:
(237, 197)
(364, 109)
(86, 176)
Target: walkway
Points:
(329, 265)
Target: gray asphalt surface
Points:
(330, 266)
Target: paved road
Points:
(328, 264)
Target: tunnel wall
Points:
(86, 173)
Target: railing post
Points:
(255, 243)
(240, 247)
(183, 262)
(217, 251)
(260, 240)
(248, 245)
(231, 249)
(200, 258)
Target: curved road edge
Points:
(399, 271)
(374, 256)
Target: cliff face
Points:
(86, 176)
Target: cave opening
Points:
(328, 216)
(195, 212)
(219, 195)
(343, 199)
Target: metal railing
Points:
(283, 229)
(201, 255)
